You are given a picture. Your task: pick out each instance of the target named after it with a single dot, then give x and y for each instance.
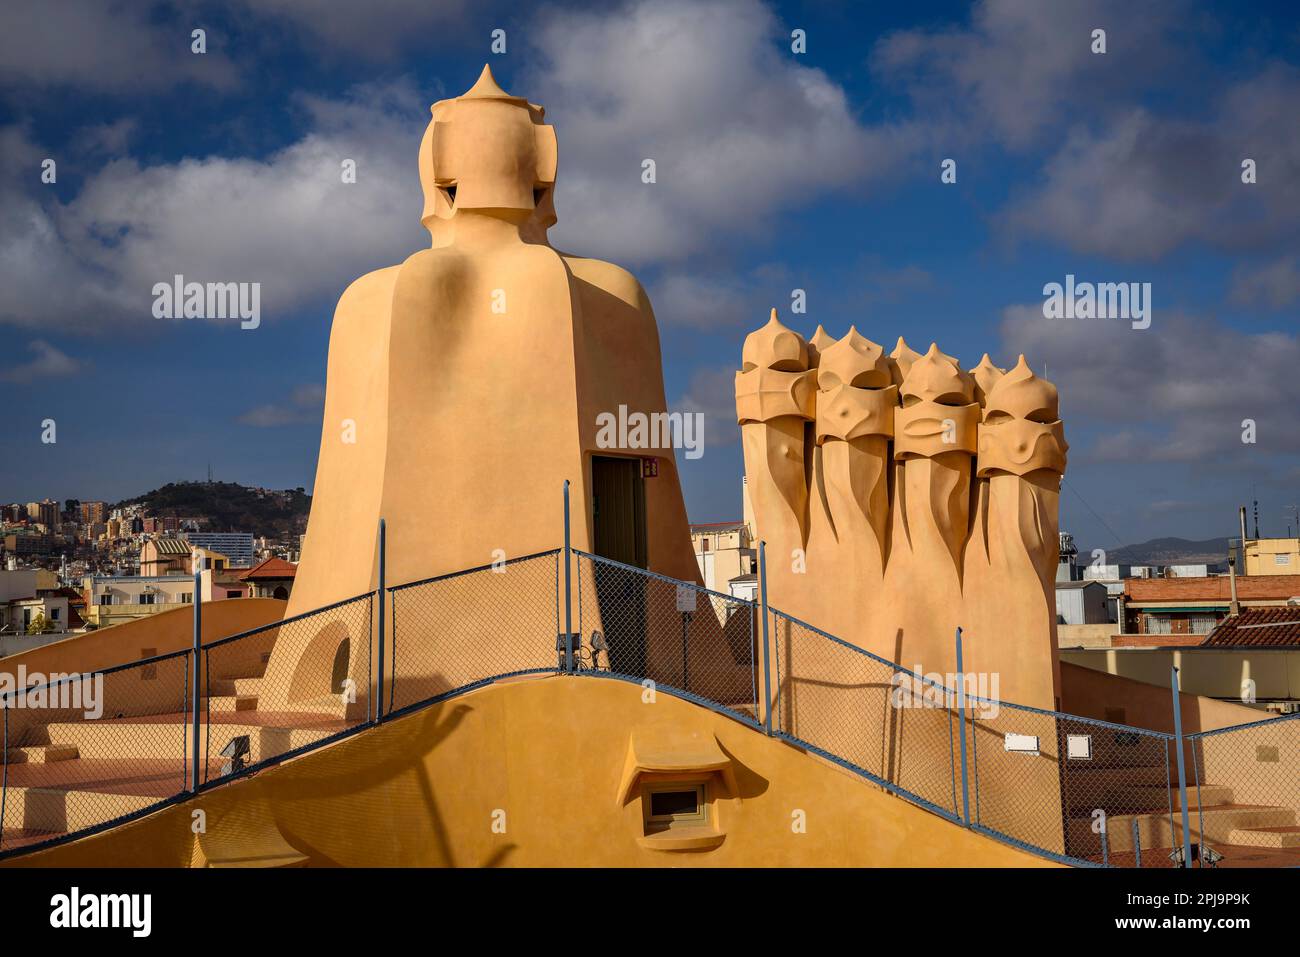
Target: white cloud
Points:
(48, 362)
(115, 46)
(1020, 67)
(108, 138)
(304, 404)
(373, 29)
(288, 222)
(712, 391)
(1176, 392)
(718, 297)
(739, 128)
(1147, 184)
(1274, 284)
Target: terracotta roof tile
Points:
(270, 568)
(1259, 628)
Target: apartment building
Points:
(724, 552)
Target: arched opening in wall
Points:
(280, 592)
(322, 666)
(339, 673)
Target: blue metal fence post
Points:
(767, 646)
(379, 628)
(4, 785)
(568, 586)
(1182, 771)
(961, 726)
(194, 697)
(1200, 810)
(1137, 844)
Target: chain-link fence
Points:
(1244, 794)
(898, 728)
(1073, 788)
(457, 631)
(640, 626)
(84, 750)
(286, 687)
(1079, 788)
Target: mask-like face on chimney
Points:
(488, 152)
(1022, 431)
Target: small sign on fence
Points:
(1079, 747)
(1021, 743)
(685, 598)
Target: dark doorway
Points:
(618, 506)
(618, 513)
(339, 673)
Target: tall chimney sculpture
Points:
(902, 497)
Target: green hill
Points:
(230, 507)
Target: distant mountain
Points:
(230, 507)
(1165, 551)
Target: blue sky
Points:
(776, 171)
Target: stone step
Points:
(1082, 777)
(1211, 824)
(235, 686)
(138, 739)
(243, 702)
(60, 810)
(1206, 795)
(1277, 837)
(42, 754)
(86, 792)
(1117, 795)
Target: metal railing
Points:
(1080, 789)
(85, 751)
(1258, 766)
(251, 715)
(454, 633)
(894, 727)
(667, 634)
(1075, 789)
